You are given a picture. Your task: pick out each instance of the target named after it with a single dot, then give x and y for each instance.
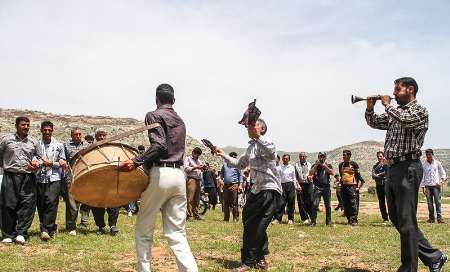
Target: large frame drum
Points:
(97, 182)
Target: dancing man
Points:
(261, 205)
(406, 126)
(166, 191)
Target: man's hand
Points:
(424, 191)
(33, 166)
(371, 101)
(219, 152)
(63, 164)
(48, 163)
(385, 100)
(310, 178)
(298, 188)
(126, 166)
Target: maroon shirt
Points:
(167, 141)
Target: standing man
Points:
(99, 213)
(48, 179)
(261, 205)
(193, 167)
(434, 177)
(379, 176)
(72, 206)
(305, 188)
(232, 178)
(209, 185)
(166, 191)
(18, 158)
(321, 173)
(406, 127)
(288, 184)
(350, 182)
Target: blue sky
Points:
(301, 59)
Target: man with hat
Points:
(321, 173)
(166, 191)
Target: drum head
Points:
(106, 187)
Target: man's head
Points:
(47, 131)
(75, 134)
(302, 157)
(196, 153)
(233, 155)
(89, 138)
(100, 135)
(322, 156)
(405, 90)
(346, 155)
(22, 126)
(164, 95)
(429, 154)
(286, 159)
(260, 128)
(380, 156)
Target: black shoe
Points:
(101, 231)
(197, 217)
(313, 224)
(113, 230)
(437, 266)
(440, 221)
(431, 221)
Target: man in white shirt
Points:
(305, 188)
(288, 183)
(193, 167)
(433, 179)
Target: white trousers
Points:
(166, 192)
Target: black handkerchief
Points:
(251, 115)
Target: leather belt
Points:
(168, 164)
(407, 157)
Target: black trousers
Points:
(350, 202)
(99, 216)
(258, 212)
(339, 199)
(325, 193)
(18, 203)
(73, 206)
(288, 201)
(47, 200)
(212, 195)
(402, 187)
(381, 195)
(304, 200)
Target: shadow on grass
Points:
(343, 269)
(227, 264)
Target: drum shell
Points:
(97, 182)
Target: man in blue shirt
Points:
(231, 179)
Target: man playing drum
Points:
(167, 188)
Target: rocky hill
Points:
(89, 124)
(363, 152)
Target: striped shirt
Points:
(406, 127)
(54, 151)
(260, 157)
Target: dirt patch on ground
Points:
(162, 260)
(371, 208)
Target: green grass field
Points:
(216, 246)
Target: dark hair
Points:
(72, 131)
(408, 81)
(347, 152)
(100, 132)
(22, 119)
(141, 147)
(89, 138)
(380, 152)
(233, 154)
(46, 124)
(165, 94)
(429, 150)
(197, 151)
(286, 154)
